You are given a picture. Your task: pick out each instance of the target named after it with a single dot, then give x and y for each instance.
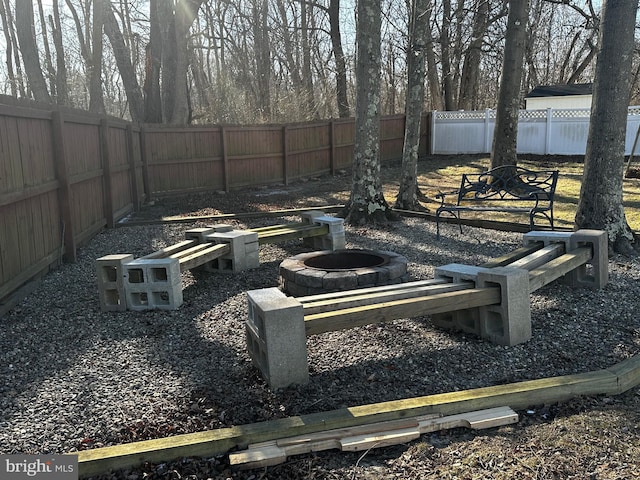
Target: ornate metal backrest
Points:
(509, 183)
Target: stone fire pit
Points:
(331, 271)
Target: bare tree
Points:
(123, 59)
(600, 205)
(339, 58)
(96, 99)
(29, 50)
(367, 202)
(62, 95)
(505, 138)
(420, 13)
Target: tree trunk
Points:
(9, 50)
(469, 83)
(445, 47)
(153, 62)
(123, 60)
(262, 57)
(29, 50)
(505, 138)
(600, 206)
(96, 100)
(62, 90)
(367, 203)
(407, 198)
(338, 54)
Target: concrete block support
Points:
(467, 320)
(547, 238)
(596, 273)
(244, 251)
(110, 276)
(508, 323)
(198, 233)
(153, 284)
(276, 337)
(335, 239)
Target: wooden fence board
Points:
(55, 190)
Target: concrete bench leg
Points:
(110, 276)
(467, 320)
(276, 337)
(153, 284)
(244, 251)
(334, 240)
(508, 323)
(597, 275)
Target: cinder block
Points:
(508, 323)
(110, 273)
(198, 233)
(547, 238)
(157, 271)
(310, 215)
(154, 296)
(466, 320)
(153, 284)
(244, 251)
(335, 239)
(276, 337)
(596, 273)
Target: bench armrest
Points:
(441, 195)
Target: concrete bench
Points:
(491, 301)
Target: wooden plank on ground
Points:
(207, 443)
(405, 308)
(359, 300)
(365, 437)
(558, 267)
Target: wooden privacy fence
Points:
(66, 174)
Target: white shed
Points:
(559, 96)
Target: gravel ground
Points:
(73, 377)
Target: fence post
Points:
(106, 169)
(547, 140)
(145, 164)
(285, 155)
(434, 115)
(332, 146)
(487, 137)
(64, 189)
(132, 165)
(225, 158)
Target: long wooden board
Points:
(615, 380)
(405, 308)
(364, 437)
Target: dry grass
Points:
(442, 173)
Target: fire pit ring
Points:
(332, 271)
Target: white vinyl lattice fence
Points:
(540, 132)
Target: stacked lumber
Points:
(365, 437)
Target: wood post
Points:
(145, 164)
(106, 168)
(132, 166)
(64, 189)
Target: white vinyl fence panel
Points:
(540, 132)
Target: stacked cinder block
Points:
(506, 323)
(594, 274)
(334, 240)
(153, 284)
(276, 337)
(244, 250)
(110, 275)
